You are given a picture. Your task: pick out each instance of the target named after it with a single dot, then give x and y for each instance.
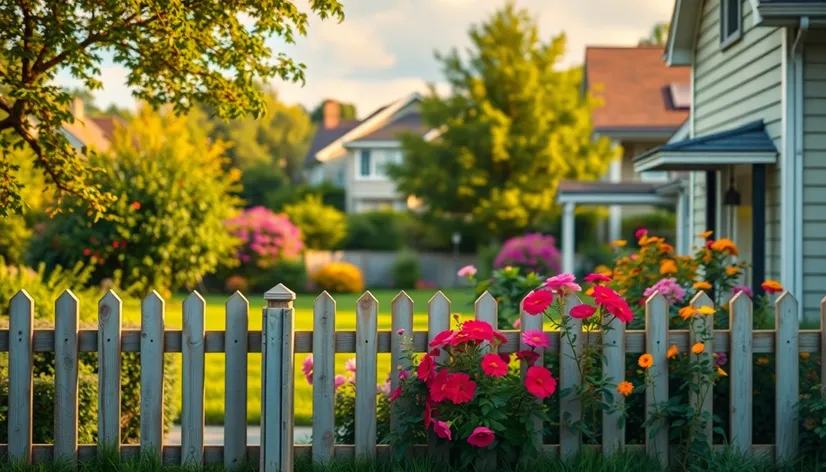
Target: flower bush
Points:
(508, 286)
(532, 253)
(339, 277)
(266, 237)
(464, 393)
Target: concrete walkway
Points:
(214, 435)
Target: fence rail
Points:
(279, 343)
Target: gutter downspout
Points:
(797, 60)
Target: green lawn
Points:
(345, 321)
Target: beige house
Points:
(353, 154)
(756, 150)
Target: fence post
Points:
(235, 375)
(401, 314)
(531, 322)
(152, 371)
(703, 324)
(741, 372)
(324, 371)
(613, 433)
(486, 309)
(570, 407)
(65, 377)
(192, 411)
(277, 381)
(656, 340)
(787, 378)
(367, 316)
(438, 320)
(21, 333)
(109, 363)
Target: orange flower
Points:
(672, 352)
(646, 361)
(732, 270)
(762, 360)
(687, 312)
(602, 269)
(706, 234)
(619, 243)
(698, 348)
(702, 285)
(725, 245)
(668, 266)
(590, 291)
(667, 248)
(721, 372)
(804, 355)
(625, 388)
(707, 256)
(772, 286)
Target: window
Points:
(340, 177)
(731, 21)
(365, 167)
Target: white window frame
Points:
(727, 38)
(386, 156)
(654, 176)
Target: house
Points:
(91, 132)
(756, 146)
(352, 154)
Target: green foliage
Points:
(167, 228)
(14, 239)
(330, 194)
(322, 227)
(487, 254)
(46, 288)
(290, 272)
(508, 286)
(375, 231)
(658, 36)
(513, 128)
(345, 415)
(200, 52)
(347, 111)
(406, 270)
(663, 223)
(260, 183)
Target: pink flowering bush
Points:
(533, 252)
(266, 237)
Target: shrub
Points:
(532, 253)
(237, 283)
(339, 277)
(266, 237)
(322, 226)
(508, 286)
(661, 222)
(46, 288)
(406, 270)
(331, 195)
(375, 231)
(14, 239)
(290, 272)
(167, 228)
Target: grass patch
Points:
(345, 321)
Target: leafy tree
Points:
(322, 226)
(178, 52)
(514, 126)
(658, 36)
(166, 229)
(347, 111)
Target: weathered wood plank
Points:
(702, 325)
(570, 406)
(366, 360)
(656, 327)
(740, 362)
(401, 314)
(21, 324)
(613, 433)
(486, 309)
(324, 371)
(235, 375)
(67, 312)
(438, 320)
(787, 378)
(527, 323)
(192, 411)
(109, 360)
(152, 325)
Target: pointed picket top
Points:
(67, 303)
(440, 298)
(325, 296)
(571, 302)
(110, 297)
(742, 297)
(701, 299)
(280, 293)
(67, 297)
(236, 298)
(153, 299)
(366, 300)
(785, 303)
(401, 299)
(194, 298)
(485, 300)
(22, 296)
(655, 300)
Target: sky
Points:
(384, 48)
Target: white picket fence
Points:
(279, 342)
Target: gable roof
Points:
(89, 133)
(324, 136)
(638, 90)
(108, 124)
(409, 123)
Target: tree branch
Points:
(38, 152)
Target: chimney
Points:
(331, 113)
(78, 109)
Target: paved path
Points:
(214, 435)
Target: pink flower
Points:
(528, 356)
(481, 437)
(742, 288)
(536, 338)
(474, 330)
(425, 368)
(384, 388)
(613, 303)
(640, 233)
(563, 284)
(403, 374)
(537, 302)
(400, 332)
(442, 430)
(597, 278)
(494, 366)
(445, 337)
(668, 288)
(517, 323)
(467, 271)
(539, 382)
(350, 365)
(396, 393)
(339, 381)
(582, 312)
(307, 369)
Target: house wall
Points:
(369, 194)
(814, 172)
(734, 86)
(627, 173)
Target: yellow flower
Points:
(668, 266)
(672, 352)
(619, 243)
(625, 388)
(725, 245)
(763, 360)
(706, 234)
(687, 312)
(646, 361)
(804, 355)
(721, 372)
(590, 291)
(732, 270)
(702, 285)
(698, 348)
(603, 269)
(706, 310)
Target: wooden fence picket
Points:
(401, 321)
(66, 377)
(741, 372)
(656, 344)
(787, 377)
(192, 411)
(152, 373)
(613, 433)
(324, 371)
(438, 320)
(109, 358)
(235, 379)
(366, 363)
(570, 407)
(531, 322)
(702, 323)
(486, 309)
(21, 364)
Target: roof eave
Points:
(680, 46)
(676, 160)
(789, 14)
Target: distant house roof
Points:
(637, 89)
(107, 125)
(409, 123)
(324, 136)
(89, 133)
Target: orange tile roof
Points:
(634, 86)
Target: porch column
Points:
(615, 211)
(711, 203)
(568, 237)
(758, 222)
(682, 218)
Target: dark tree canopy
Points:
(180, 52)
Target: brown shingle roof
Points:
(634, 85)
(409, 123)
(107, 125)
